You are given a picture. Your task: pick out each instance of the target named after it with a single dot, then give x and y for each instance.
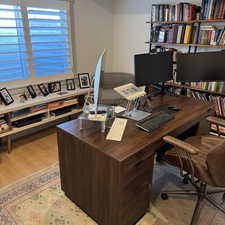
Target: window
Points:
(13, 53)
(34, 40)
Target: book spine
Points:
(187, 34)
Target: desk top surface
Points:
(134, 139)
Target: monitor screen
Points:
(204, 66)
(97, 80)
(151, 69)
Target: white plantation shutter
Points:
(13, 53)
(50, 41)
(35, 40)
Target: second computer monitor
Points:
(151, 69)
(203, 66)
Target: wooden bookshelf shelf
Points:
(191, 45)
(191, 21)
(69, 98)
(195, 89)
(16, 130)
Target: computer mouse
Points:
(174, 108)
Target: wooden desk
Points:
(111, 181)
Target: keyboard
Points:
(153, 122)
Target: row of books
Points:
(211, 35)
(213, 9)
(210, 86)
(219, 102)
(188, 34)
(179, 12)
(219, 105)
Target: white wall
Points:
(130, 31)
(93, 32)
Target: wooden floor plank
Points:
(30, 154)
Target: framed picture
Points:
(31, 91)
(43, 89)
(84, 80)
(70, 84)
(54, 87)
(6, 97)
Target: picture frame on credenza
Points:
(31, 91)
(5, 96)
(43, 89)
(54, 87)
(84, 80)
(70, 84)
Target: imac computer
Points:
(98, 76)
(203, 66)
(153, 68)
(94, 114)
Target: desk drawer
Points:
(139, 156)
(134, 168)
(132, 190)
(135, 208)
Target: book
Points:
(187, 35)
(179, 32)
(213, 9)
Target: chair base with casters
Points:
(201, 160)
(200, 190)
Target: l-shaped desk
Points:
(111, 181)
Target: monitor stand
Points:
(137, 113)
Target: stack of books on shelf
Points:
(198, 95)
(188, 34)
(210, 86)
(211, 35)
(218, 101)
(219, 105)
(37, 108)
(213, 9)
(55, 105)
(179, 12)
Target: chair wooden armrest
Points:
(181, 144)
(216, 120)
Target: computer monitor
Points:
(203, 66)
(151, 69)
(97, 81)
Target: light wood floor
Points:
(30, 154)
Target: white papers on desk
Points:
(130, 91)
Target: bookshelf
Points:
(206, 27)
(188, 25)
(189, 45)
(191, 21)
(194, 88)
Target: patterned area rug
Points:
(38, 200)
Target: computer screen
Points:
(204, 66)
(97, 80)
(151, 69)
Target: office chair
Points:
(110, 81)
(201, 160)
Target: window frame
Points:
(32, 79)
